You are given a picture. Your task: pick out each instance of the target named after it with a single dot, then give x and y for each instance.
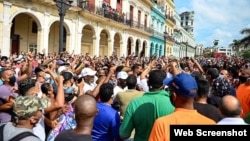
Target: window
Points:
(33, 48)
(145, 20)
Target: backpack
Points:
(17, 137)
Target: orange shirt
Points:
(243, 95)
(161, 128)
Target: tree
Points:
(246, 54)
(245, 41)
(235, 45)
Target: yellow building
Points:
(170, 22)
(33, 25)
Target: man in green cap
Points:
(27, 111)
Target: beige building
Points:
(170, 26)
(33, 25)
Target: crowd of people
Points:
(109, 98)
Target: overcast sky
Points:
(217, 19)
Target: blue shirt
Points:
(106, 124)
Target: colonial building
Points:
(170, 26)
(90, 26)
(157, 45)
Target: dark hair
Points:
(213, 72)
(131, 81)
(106, 91)
(25, 85)
(228, 112)
(203, 87)
(45, 87)
(135, 66)
(37, 70)
(155, 79)
(67, 76)
(119, 68)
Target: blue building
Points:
(157, 26)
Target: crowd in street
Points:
(70, 97)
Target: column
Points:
(43, 39)
(6, 27)
(120, 49)
(110, 46)
(96, 44)
(71, 44)
(147, 49)
(43, 35)
(123, 47)
(78, 48)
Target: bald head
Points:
(85, 107)
(229, 106)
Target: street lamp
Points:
(63, 6)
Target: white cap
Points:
(88, 71)
(122, 75)
(61, 68)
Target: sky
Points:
(217, 19)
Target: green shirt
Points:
(143, 111)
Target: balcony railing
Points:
(113, 14)
(170, 18)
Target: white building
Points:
(225, 51)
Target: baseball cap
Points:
(67, 75)
(26, 106)
(88, 71)
(182, 84)
(60, 62)
(122, 75)
(61, 69)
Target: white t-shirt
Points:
(88, 87)
(118, 89)
(39, 129)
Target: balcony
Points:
(157, 34)
(170, 20)
(134, 24)
(102, 14)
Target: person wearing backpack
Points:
(27, 112)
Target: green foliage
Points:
(212, 54)
(246, 54)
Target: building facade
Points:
(187, 21)
(225, 51)
(187, 42)
(157, 24)
(170, 26)
(94, 27)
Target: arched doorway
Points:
(161, 51)
(137, 47)
(143, 52)
(87, 39)
(117, 42)
(129, 46)
(152, 49)
(104, 36)
(54, 38)
(157, 50)
(23, 34)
